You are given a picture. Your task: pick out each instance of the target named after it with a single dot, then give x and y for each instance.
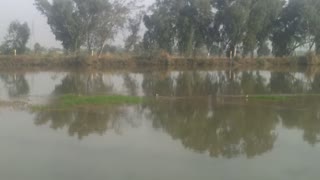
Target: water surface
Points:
(200, 126)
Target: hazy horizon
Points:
(25, 11)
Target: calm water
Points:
(194, 130)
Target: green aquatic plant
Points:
(72, 101)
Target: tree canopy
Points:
(246, 26)
(16, 38)
(189, 27)
(89, 23)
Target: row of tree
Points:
(184, 27)
(82, 23)
(231, 26)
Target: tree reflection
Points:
(131, 84)
(82, 122)
(194, 83)
(229, 132)
(83, 83)
(16, 84)
(286, 83)
(228, 127)
(306, 116)
(192, 110)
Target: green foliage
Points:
(289, 30)
(16, 38)
(188, 27)
(73, 101)
(64, 20)
(79, 23)
(298, 26)
(262, 14)
(263, 50)
(134, 27)
(160, 26)
(181, 23)
(38, 49)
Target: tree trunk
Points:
(100, 50)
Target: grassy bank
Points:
(161, 60)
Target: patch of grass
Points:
(72, 101)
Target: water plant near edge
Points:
(72, 101)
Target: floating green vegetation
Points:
(72, 101)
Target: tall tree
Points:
(182, 23)
(16, 39)
(312, 16)
(89, 13)
(263, 14)
(160, 26)
(231, 22)
(134, 29)
(193, 25)
(64, 20)
(89, 23)
(296, 27)
(110, 22)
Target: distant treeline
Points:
(228, 27)
(182, 27)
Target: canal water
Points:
(204, 125)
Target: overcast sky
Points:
(25, 11)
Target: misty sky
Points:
(25, 11)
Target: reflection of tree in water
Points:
(285, 83)
(226, 132)
(157, 83)
(253, 83)
(82, 122)
(229, 132)
(204, 83)
(315, 84)
(16, 84)
(85, 120)
(202, 122)
(131, 84)
(83, 83)
(306, 118)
